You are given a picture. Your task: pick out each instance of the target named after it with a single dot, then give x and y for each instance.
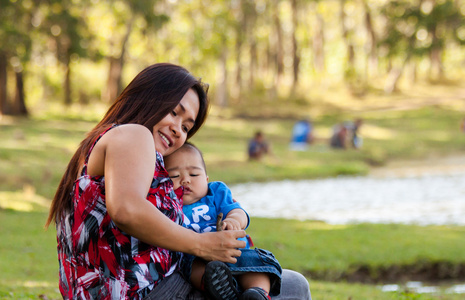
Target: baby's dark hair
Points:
(190, 146)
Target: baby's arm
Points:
(236, 219)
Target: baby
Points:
(257, 271)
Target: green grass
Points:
(28, 260)
(28, 263)
(334, 252)
(34, 153)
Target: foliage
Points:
(285, 48)
(420, 29)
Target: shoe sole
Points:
(219, 282)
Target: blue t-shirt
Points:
(300, 132)
(201, 215)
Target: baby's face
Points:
(186, 169)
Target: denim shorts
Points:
(251, 260)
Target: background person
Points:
(339, 136)
(257, 146)
(356, 140)
(302, 135)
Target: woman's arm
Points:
(127, 156)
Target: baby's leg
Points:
(253, 279)
(198, 269)
(255, 286)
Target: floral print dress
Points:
(99, 261)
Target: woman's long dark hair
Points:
(150, 96)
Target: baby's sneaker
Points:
(255, 293)
(219, 282)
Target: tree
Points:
(126, 13)
(347, 37)
(418, 30)
(295, 46)
(371, 42)
(15, 45)
(64, 24)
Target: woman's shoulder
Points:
(123, 142)
(128, 137)
(128, 133)
(131, 129)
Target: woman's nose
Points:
(176, 128)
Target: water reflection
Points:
(419, 288)
(423, 200)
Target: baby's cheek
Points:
(176, 184)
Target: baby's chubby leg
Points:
(252, 279)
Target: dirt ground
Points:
(454, 164)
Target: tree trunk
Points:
(251, 16)
(318, 45)
(114, 80)
(67, 84)
(436, 70)
(239, 41)
(20, 104)
(372, 63)
(253, 61)
(295, 50)
(394, 76)
(3, 84)
(114, 85)
(222, 91)
(279, 48)
(345, 36)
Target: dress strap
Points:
(84, 168)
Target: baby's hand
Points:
(231, 224)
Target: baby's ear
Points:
(207, 178)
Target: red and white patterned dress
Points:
(99, 261)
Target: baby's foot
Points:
(255, 293)
(219, 282)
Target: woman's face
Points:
(171, 132)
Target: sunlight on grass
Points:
(24, 200)
(29, 289)
(439, 136)
(32, 284)
(227, 125)
(375, 132)
(319, 226)
(219, 157)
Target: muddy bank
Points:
(424, 271)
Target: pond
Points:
(432, 194)
(423, 199)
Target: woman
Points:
(116, 213)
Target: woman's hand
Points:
(222, 246)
